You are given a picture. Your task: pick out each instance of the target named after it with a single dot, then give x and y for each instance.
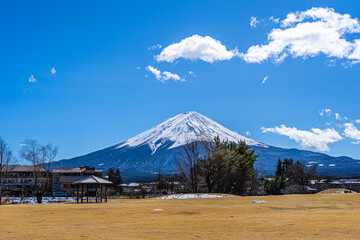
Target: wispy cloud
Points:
(274, 20)
(153, 47)
(314, 139)
(194, 48)
(253, 22)
(32, 79)
(53, 71)
(325, 112)
(164, 76)
(308, 34)
(265, 79)
(248, 134)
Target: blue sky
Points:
(103, 91)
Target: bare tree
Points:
(188, 164)
(40, 157)
(6, 159)
(299, 176)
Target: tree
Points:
(6, 159)
(222, 172)
(277, 185)
(115, 177)
(290, 177)
(299, 176)
(221, 166)
(40, 157)
(244, 160)
(162, 184)
(208, 165)
(188, 165)
(229, 167)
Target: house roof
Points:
(74, 170)
(19, 168)
(133, 184)
(92, 180)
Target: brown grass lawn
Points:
(320, 216)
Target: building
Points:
(19, 179)
(62, 179)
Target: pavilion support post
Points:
(77, 193)
(101, 192)
(105, 193)
(82, 193)
(87, 193)
(96, 192)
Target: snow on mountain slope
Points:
(185, 128)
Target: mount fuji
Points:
(141, 157)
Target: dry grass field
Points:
(320, 216)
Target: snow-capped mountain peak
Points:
(182, 129)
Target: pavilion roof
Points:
(92, 180)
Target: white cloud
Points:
(157, 46)
(352, 132)
(192, 73)
(275, 20)
(265, 79)
(253, 22)
(355, 55)
(163, 76)
(169, 75)
(154, 71)
(337, 116)
(53, 71)
(325, 112)
(328, 123)
(196, 48)
(357, 121)
(248, 134)
(308, 34)
(315, 138)
(138, 68)
(32, 79)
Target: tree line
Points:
(290, 177)
(218, 166)
(226, 167)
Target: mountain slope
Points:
(156, 150)
(182, 129)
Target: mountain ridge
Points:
(157, 149)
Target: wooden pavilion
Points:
(91, 182)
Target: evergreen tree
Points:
(278, 184)
(115, 177)
(232, 167)
(162, 183)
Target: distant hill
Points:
(141, 157)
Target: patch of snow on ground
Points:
(32, 200)
(158, 210)
(191, 196)
(258, 201)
